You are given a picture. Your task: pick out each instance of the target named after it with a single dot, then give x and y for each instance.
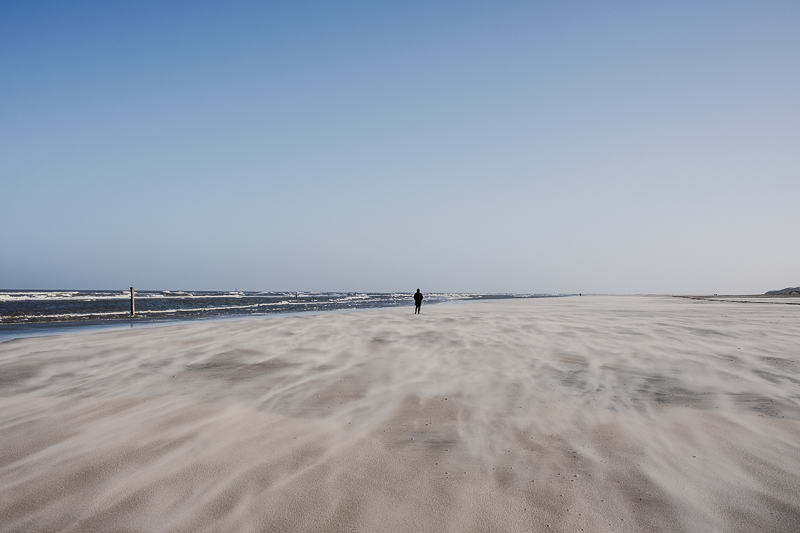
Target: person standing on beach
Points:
(417, 302)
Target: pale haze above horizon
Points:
(528, 147)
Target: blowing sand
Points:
(570, 414)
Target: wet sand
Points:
(567, 414)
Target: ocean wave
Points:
(27, 306)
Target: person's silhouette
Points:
(417, 302)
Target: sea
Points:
(25, 313)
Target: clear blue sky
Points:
(622, 147)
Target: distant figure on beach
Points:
(417, 302)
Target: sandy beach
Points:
(553, 414)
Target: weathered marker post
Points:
(133, 311)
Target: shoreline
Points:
(50, 329)
(16, 330)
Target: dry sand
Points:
(569, 414)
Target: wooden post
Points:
(133, 311)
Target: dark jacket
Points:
(417, 298)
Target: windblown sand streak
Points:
(568, 414)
